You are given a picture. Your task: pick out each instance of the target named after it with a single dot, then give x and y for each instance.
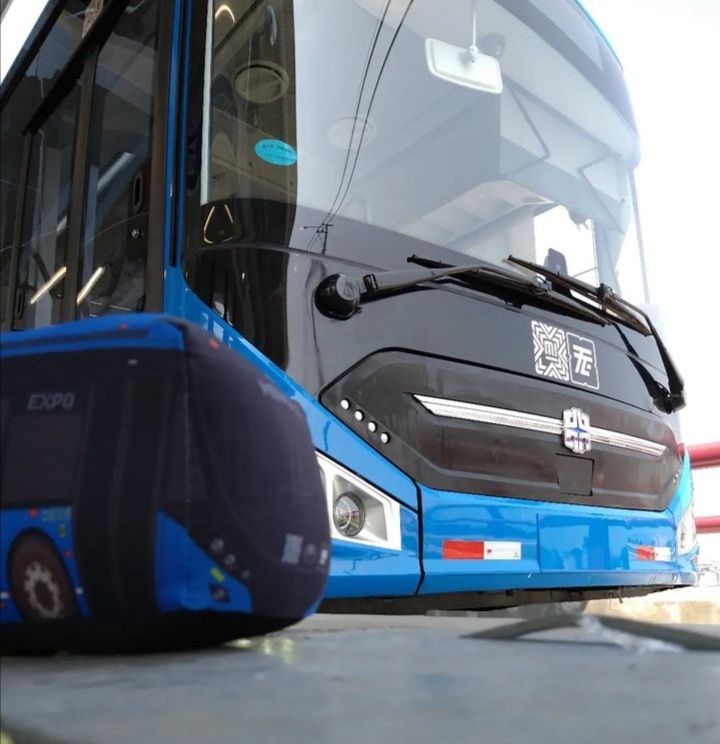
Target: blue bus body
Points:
(452, 546)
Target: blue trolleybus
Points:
(418, 218)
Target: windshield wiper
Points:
(603, 294)
(620, 310)
(340, 295)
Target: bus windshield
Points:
(327, 128)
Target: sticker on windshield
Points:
(276, 152)
(564, 356)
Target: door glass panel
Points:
(114, 247)
(42, 73)
(42, 263)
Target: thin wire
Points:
(372, 99)
(368, 60)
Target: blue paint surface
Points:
(183, 577)
(55, 524)
(276, 152)
(137, 330)
(563, 545)
(367, 571)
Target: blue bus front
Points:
(269, 168)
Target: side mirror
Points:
(468, 67)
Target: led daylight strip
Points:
(519, 420)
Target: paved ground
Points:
(690, 606)
(354, 680)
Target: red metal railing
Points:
(705, 456)
(707, 524)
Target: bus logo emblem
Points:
(564, 356)
(576, 431)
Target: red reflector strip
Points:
(463, 550)
(481, 550)
(653, 553)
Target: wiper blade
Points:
(622, 310)
(340, 295)
(602, 294)
(511, 280)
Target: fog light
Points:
(358, 512)
(349, 514)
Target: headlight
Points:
(349, 514)
(686, 536)
(359, 512)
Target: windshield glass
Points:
(362, 130)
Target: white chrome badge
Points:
(576, 431)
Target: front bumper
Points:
(474, 543)
(537, 545)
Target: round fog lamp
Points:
(349, 514)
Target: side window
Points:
(38, 79)
(114, 246)
(42, 261)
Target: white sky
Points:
(20, 17)
(670, 50)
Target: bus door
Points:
(87, 116)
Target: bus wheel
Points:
(39, 582)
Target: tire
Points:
(39, 581)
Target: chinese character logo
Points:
(550, 351)
(576, 431)
(563, 356)
(583, 367)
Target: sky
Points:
(670, 50)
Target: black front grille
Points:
(497, 460)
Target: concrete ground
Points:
(698, 605)
(383, 680)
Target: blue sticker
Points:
(275, 152)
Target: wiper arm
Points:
(340, 295)
(674, 398)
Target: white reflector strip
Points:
(663, 554)
(518, 420)
(502, 551)
(481, 550)
(654, 553)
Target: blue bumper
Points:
(546, 545)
